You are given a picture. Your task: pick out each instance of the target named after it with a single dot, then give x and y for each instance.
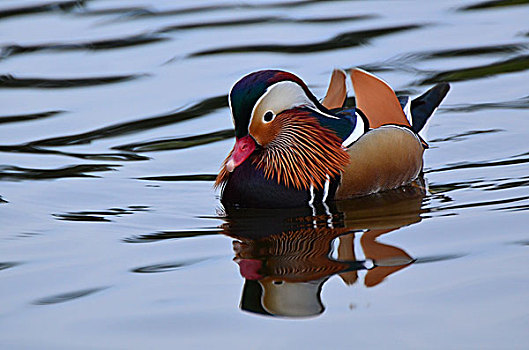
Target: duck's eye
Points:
(268, 116)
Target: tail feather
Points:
(423, 106)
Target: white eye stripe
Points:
(280, 97)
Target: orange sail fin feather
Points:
(377, 100)
(337, 91)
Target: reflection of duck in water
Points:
(286, 258)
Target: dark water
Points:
(113, 124)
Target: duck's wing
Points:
(337, 91)
(377, 100)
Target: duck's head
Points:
(276, 118)
(255, 102)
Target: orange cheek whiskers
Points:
(302, 154)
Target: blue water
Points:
(114, 123)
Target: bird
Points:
(293, 150)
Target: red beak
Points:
(241, 151)
(249, 268)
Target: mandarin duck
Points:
(292, 150)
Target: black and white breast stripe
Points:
(327, 192)
(361, 127)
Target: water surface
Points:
(114, 122)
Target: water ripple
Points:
(106, 44)
(516, 64)
(262, 20)
(4, 265)
(437, 258)
(522, 243)
(471, 51)
(178, 143)
(165, 235)
(484, 204)
(165, 267)
(194, 177)
(101, 215)
(512, 183)
(198, 110)
(484, 185)
(464, 135)
(139, 12)
(25, 117)
(451, 186)
(10, 81)
(515, 208)
(491, 4)
(61, 298)
(341, 41)
(16, 173)
(116, 156)
(223, 23)
(483, 164)
(63, 6)
(520, 103)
